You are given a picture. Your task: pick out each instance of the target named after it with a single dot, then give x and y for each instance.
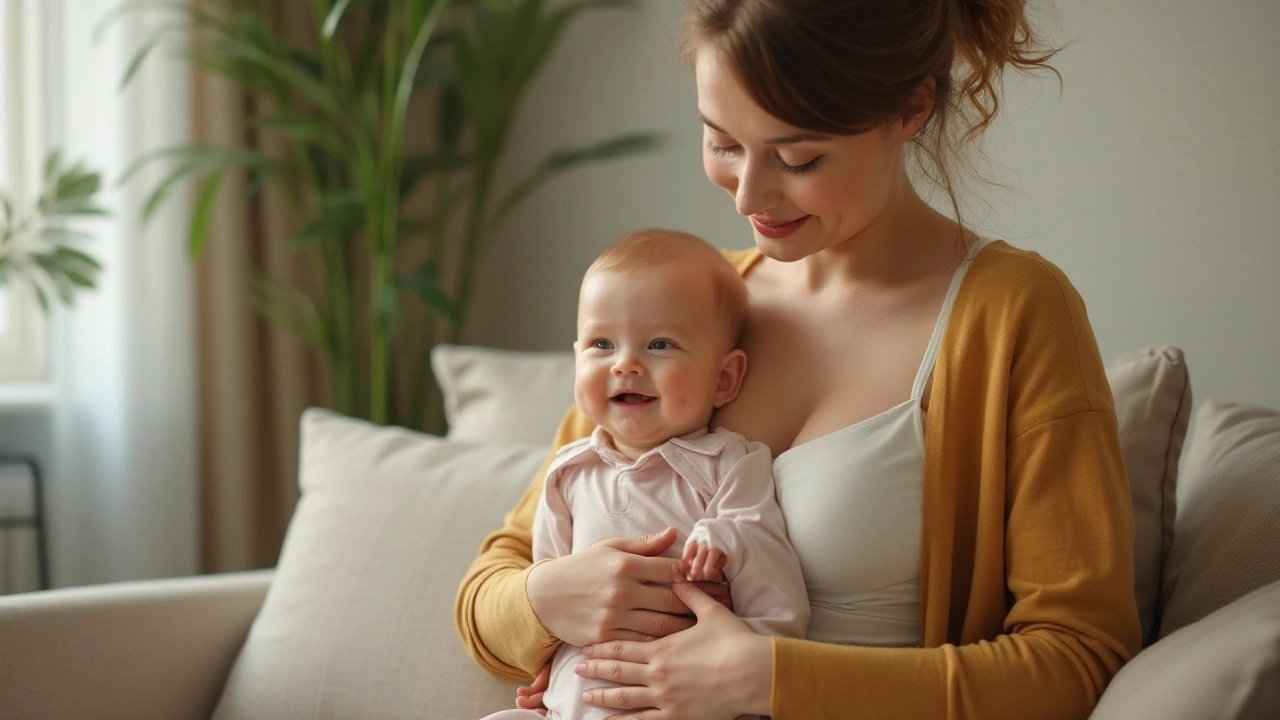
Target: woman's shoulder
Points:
(1002, 277)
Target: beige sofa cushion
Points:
(1226, 667)
(1153, 405)
(358, 622)
(503, 395)
(1227, 540)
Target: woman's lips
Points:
(778, 230)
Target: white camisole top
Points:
(852, 504)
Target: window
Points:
(23, 347)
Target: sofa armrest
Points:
(150, 649)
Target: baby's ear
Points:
(732, 369)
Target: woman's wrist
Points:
(531, 591)
(757, 679)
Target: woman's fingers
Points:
(623, 651)
(647, 569)
(621, 698)
(659, 598)
(647, 545)
(657, 624)
(627, 673)
(628, 635)
(693, 597)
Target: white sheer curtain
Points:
(23, 357)
(123, 481)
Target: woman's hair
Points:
(843, 67)
(657, 247)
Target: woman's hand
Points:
(606, 592)
(717, 669)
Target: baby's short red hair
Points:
(658, 247)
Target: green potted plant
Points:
(39, 244)
(340, 102)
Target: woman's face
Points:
(804, 192)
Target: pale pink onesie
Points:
(711, 486)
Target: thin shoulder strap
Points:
(935, 341)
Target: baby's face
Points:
(649, 353)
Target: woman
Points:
(946, 449)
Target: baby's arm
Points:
(744, 523)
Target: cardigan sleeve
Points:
(497, 624)
(1053, 524)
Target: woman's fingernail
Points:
(588, 651)
(586, 697)
(580, 667)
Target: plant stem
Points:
(472, 242)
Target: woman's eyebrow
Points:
(783, 140)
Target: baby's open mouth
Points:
(632, 399)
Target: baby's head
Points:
(660, 317)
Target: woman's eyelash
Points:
(783, 165)
(790, 169)
(719, 150)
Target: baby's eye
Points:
(661, 345)
(601, 344)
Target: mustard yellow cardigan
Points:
(1026, 562)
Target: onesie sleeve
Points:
(745, 522)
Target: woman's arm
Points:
(497, 624)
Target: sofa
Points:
(356, 620)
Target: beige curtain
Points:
(255, 379)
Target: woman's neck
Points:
(907, 241)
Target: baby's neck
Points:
(633, 453)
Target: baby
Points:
(659, 319)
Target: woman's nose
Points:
(755, 193)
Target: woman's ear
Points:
(732, 369)
(918, 111)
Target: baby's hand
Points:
(529, 697)
(703, 564)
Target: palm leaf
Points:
(200, 215)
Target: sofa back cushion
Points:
(1152, 392)
(358, 622)
(1227, 540)
(503, 396)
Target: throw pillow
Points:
(503, 395)
(1153, 405)
(358, 622)
(1227, 540)
(1226, 666)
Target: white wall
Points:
(1153, 180)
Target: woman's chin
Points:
(785, 251)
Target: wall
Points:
(1153, 180)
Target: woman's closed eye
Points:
(783, 165)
